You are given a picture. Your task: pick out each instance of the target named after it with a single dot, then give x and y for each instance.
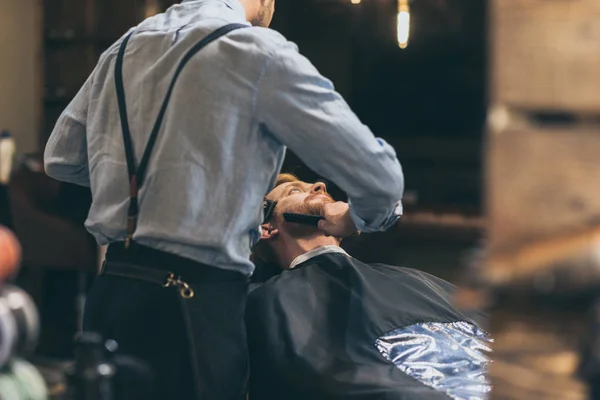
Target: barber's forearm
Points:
(322, 130)
(364, 167)
(375, 192)
(302, 110)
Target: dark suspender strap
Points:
(195, 49)
(137, 175)
(123, 107)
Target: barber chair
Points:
(59, 256)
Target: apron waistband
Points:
(156, 266)
(159, 277)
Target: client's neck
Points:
(288, 248)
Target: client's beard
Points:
(311, 208)
(307, 207)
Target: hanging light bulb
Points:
(355, 1)
(403, 23)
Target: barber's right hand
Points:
(337, 221)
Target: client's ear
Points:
(268, 232)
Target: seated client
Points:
(331, 327)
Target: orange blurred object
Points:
(10, 253)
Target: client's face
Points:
(299, 197)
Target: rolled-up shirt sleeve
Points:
(65, 156)
(301, 109)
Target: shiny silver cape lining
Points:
(449, 357)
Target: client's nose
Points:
(318, 187)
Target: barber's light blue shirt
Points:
(236, 107)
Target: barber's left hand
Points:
(337, 222)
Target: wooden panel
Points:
(67, 68)
(536, 353)
(20, 39)
(542, 182)
(546, 54)
(543, 195)
(111, 24)
(40, 79)
(65, 18)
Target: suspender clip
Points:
(185, 290)
(127, 242)
(133, 211)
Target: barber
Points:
(180, 132)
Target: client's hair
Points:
(285, 178)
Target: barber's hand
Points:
(337, 222)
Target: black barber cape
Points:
(336, 328)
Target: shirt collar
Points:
(235, 5)
(316, 252)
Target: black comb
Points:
(304, 219)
